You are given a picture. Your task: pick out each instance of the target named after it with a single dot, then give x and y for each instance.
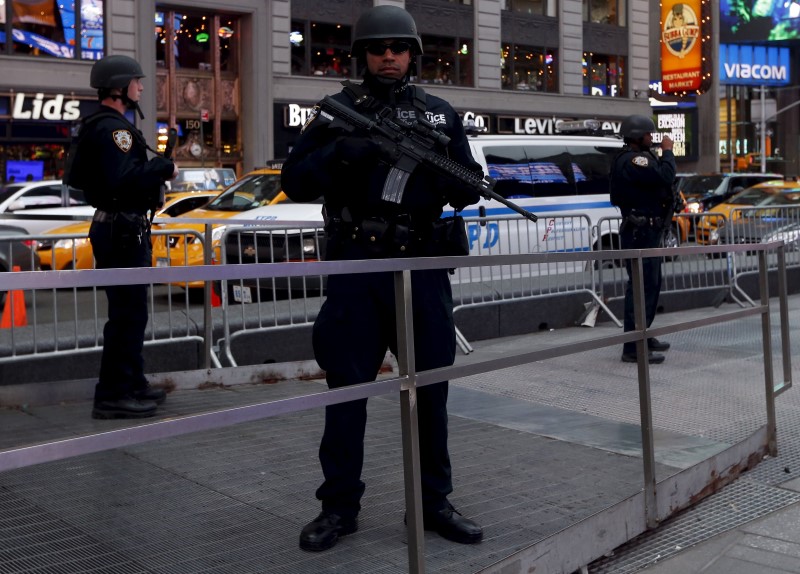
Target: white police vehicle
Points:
(563, 179)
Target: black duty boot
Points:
(325, 530)
(449, 524)
(654, 344)
(652, 358)
(124, 408)
(150, 393)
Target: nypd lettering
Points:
(123, 139)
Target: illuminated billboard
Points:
(759, 21)
(747, 65)
(681, 127)
(685, 61)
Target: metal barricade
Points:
(255, 304)
(70, 321)
(754, 225)
(657, 499)
(682, 270)
(481, 285)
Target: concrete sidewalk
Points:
(535, 449)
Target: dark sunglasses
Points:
(379, 48)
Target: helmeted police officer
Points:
(641, 186)
(356, 324)
(111, 166)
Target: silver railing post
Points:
(645, 405)
(208, 321)
(766, 336)
(783, 306)
(408, 421)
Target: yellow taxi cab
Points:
(678, 233)
(258, 188)
(763, 194)
(75, 252)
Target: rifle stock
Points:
(409, 147)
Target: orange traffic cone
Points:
(215, 300)
(15, 306)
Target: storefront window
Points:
(445, 60)
(47, 28)
(320, 49)
(604, 11)
(196, 84)
(603, 75)
(195, 39)
(529, 68)
(533, 7)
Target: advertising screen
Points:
(759, 21)
(20, 170)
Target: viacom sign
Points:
(754, 65)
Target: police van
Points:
(563, 179)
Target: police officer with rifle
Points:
(382, 203)
(108, 161)
(641, 186)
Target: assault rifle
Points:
(405, 147)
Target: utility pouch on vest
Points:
(373, 234)
(401, 239)
(450, 236)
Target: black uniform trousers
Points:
(116, 243)
(352, 332)
(642, 237)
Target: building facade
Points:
(238, 77)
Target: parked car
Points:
(704, 191)
(278, 245)
(774, 216)
(20, 202)
(258, 188)
(770, 194)
(76, 252)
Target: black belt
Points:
(642, 220)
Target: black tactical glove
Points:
(357, 150)
(458, 195)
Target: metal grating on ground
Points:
(736, 504)
(753, 496)
(233, 500)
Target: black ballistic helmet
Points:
(114, 72)
(635, 127)
(385, 22)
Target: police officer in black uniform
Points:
(356, 324)
(111, 166)
(641, 186)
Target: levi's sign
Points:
(754, 65)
